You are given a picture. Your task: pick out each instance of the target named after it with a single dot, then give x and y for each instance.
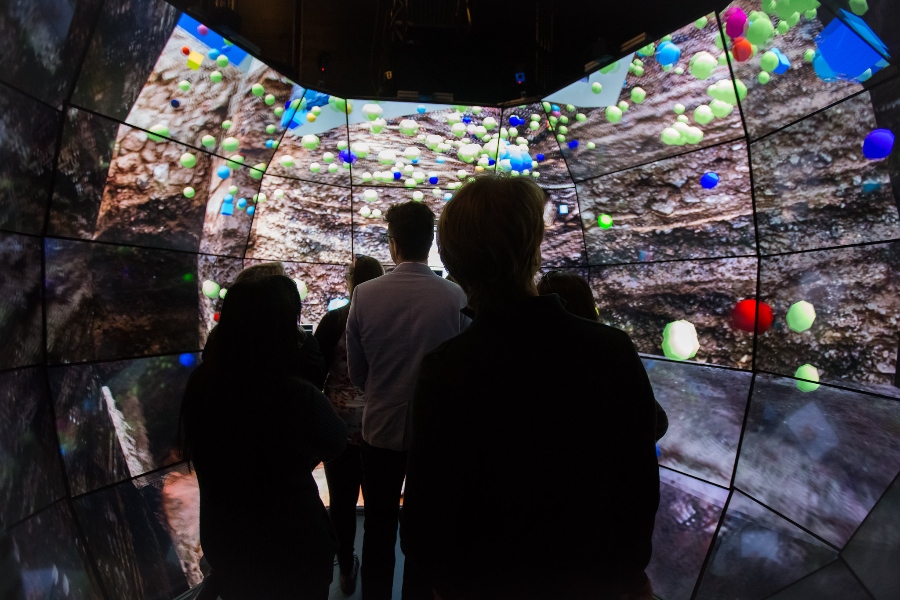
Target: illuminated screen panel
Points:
(107, 302)
(532, 124)
(833, 311)
(232, 200)
(677, 96)
(51, 560)
(419, 145)
(563, 238)
(301, 221)
(214, 274)
(689, 511)
(31, 477)
(643, 299)
(42, 43)
(20, 295)
(820, 458)
(875, 547)
(144, 534)
(118, 420)
(208, 93)
(791, 57)
(878, 15)
(322, 283)
(814, 186)
(315, 144)
(27, 148)
(757, 553)
(698, 205)
(705, 409)
(118, 62)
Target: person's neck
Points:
(400, 261)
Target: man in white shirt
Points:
(394, 322)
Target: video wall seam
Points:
(752, 256)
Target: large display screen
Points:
(729, 191)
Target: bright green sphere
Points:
(809, 373)
(226, 125)
(279, 110)
(189, 192)
(613, 114)
(702, 65)
(310, 141)
(638, 95)
(783, 27)
(235, 162)
(257, 89)
(670, 136)
(809, 55)
(800, 316)
(623, 106)
(258, 171)
(269, 99)
(208, 141)
(570, 107)
(605, 221)
(563, 130)
(314, 167)
(720, 109)
(215, 77)
(768, 62)
(591, 145)
(233, 190)
(812, 13)
(534, 125)
(682, 118)
(188, 160)
(679, 109)
(761, 31)
(564, 119)
(270, 129)
(230, 144)
(701, 22)
(211, 289)
(222, 61)
(764, 78)
(184, 85)
(859, 7)
(596, 87)
(559, 138)
(158, 132)
(680, 340)
(639, 71)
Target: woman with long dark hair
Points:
(252, 431)
(344, 473)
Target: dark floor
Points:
(336, 593)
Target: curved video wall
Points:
(729, 191)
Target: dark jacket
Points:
(532, 459)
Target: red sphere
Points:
(744, 315)
(216, 317)
(742, 49)
(185, 50)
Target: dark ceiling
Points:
(441, 50)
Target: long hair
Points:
(256, 345)
(364, 268)
(489, 238)
(574, 291)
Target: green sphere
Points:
(768, 62)
(230, 144)
(639, 71)
(812, 13)
(670, 136)
(613, 114)
(233, 190)
(158, 132)
(270, 129)
(581, 117)
(235, 162)
(783, 27)
(647, 50)
(682, 119)
(859, 7)
(208, 141)
(638, 95)
(596, 87)
(680, 340)
(761, 31)
(764, 78)
(570, 107)
(215, 77)
(701, 22)
(679, 109)
(809, 55)
(188, 160)
(605, 221)
(408, 127)
(534, 125)
(702, 65)
(257, 89)
(226, 125)
(222, 61)
(189, 192)
(315, 167)
(811, 374)
(703, 114)
(793, 19)
(184, 85)
(720, 109)
(258, 171)
(623, 106)
(800, 316)
(560, 138)
(279, 110)
(310, 141)
(269, 99)
(563, 130)
(546, 106)
(694, 135)
(591, 145)
(564, 119)
(328, 158)
(768, 6)
(211, 289)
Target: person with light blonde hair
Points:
(532, 469)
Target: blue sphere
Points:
(251, 210)
(447, 196)
(878, 144)
(467, 119)
(175, 103)
(515, 121)
(554, 107)
(667, 54)
(187, 360)
(269, 143)
(573, 144)
(223, 172)
(414, 161)
(397, 175)
(539, 157)
(440, 160)
(421, 109)
(709, 180)
(228, 198)
(491, 162)
(214, 54)
(242, 203)
(345, 156)
(433, 180)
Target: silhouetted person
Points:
(251, 428)
(394, 321)
(532, 467)
(344, 473)
(310, 364)
(578, 299)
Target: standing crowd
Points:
(517, 430)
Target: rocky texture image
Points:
(324, 282)
(310, 223)
(31, 477)
(224, 234)
(129, 528)
(636, 139)
(757, 553)
(118, 419)
(367, 231)
(563, 238)
(222, 271)
(51, 560)
(20, 294)
(814, 187)
(293, 160)
(106, 302)
(552, 170)
(42, 44)
(27, 147)
(689, 511)
(641, 299)
(856, 296)
(705, 407)
(821, 458)
(661, 211)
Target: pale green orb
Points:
(720, 109)
(328, 158)
(859, 7)
(581, 117)
(800, 316)
(287, 161)
(279, 194)
(233, 190)
(703, 114)
(257, 89)
(702, 65)
(811, 375)
(546, 106)
(613, 114)
(639, 71)
(679, 109)
(222, 61)
(279, 110)
(208, 141)
(591, 145)
(680, 340)
(258, 171)
(596, 87)
(679, 71)
(235, 162)
(783, 27)
(410, 183)
(226, 125)
(563, 119)
(188, 160)
(809, 55)
(563, 130)
(408, 127)
(560, 138)
(215, 77)
(534, 125)
(694, 135)
(670, 136)
(623, 106)
(310, 141)
(768, 62)
(158, 132)
(701, 22)
(764, 78)
(314, 167)
(812, 13)
(184, 85)
(269, 99)
(189, 192)
(761, 30)
(638, 95)
(211, 289)
(270, 129)
(230, 144)
(682, 118)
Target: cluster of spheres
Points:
(728, 192)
